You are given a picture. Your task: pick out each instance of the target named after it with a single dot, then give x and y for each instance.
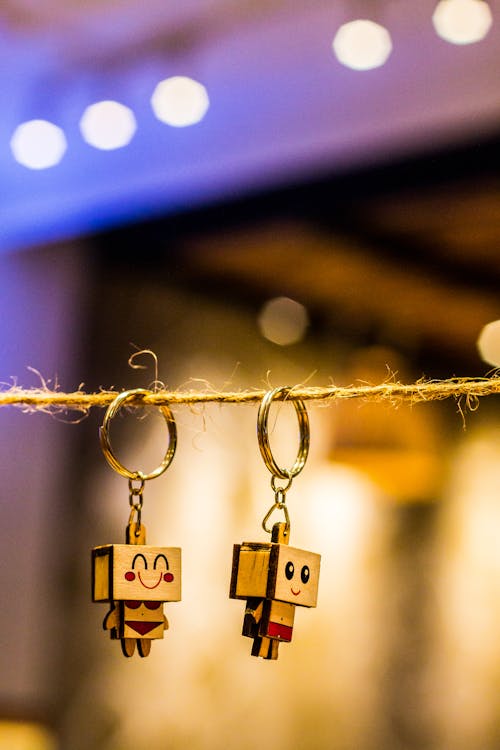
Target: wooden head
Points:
(275, 571)
(136, 572)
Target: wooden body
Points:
(132, 619)
(269, 619)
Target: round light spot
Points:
(283, 321)
(180, 101)
(38, 144)
(108, 125)
(362, 44)
(488, 343)
(462, 21)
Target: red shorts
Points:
(278, 631)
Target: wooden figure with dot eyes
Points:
(274, 579)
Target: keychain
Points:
(273, 577)
(135, 578)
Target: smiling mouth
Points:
(295, 593)
(146, 585)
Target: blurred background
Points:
(263, 193)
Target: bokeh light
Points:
(362, 44)
(180, 101)
(108, 125)
(38, 144)
(488, 343)
(462, 21)
(283, 321)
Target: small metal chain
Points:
(136, 505)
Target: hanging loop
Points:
(263, 435)
(135, 513)
(277, 506)
(109, 455)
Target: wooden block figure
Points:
(137, 579)
(134, 577)
(274, 578)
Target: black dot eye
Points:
(289, 570)
(305, 573)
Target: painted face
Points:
(297, 576)
(146, 573)
(150, 578)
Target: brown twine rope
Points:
(466, 391)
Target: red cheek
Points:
(168, 577)
(129, 576)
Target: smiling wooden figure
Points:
(274, 578)
(137, 579)
(134, 577)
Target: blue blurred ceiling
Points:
(282, 108)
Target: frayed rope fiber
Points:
(465, 390)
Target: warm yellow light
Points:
(38, 144)
(180, 101)
(341, 508)
(108, 125)
(362, 44)
(20, 735)
(462, 21)
(488, 343)
(283, 321)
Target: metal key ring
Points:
(106, 443)
(263, 434)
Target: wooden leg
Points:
(143, 646)
(273, 650)
(128, 646)
(267, 648)
(256, 646)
